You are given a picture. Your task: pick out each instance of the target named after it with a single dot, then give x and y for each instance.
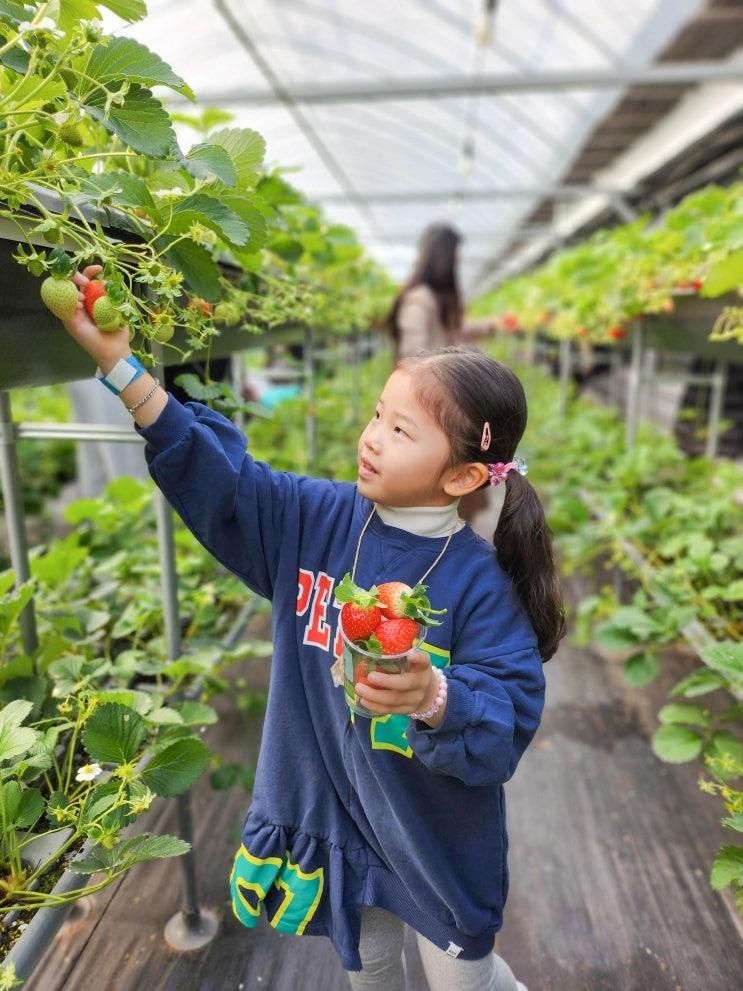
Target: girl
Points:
(358, 826)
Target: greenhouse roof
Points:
(396, 114)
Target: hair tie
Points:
(498, 472)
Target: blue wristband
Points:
(123, 373)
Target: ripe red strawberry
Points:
(396, 599)
(92, 292)
(59, 296)
(361, 675)
(360, 614)
(617, 333)
(393, 636)
(359, 622)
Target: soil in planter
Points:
(10, 933)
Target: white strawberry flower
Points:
(45, 24)
(88, 772)
(169, 194)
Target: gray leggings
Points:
(381, 948)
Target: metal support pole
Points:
(615, 383)
(650, 363)
(193, 927)
(15, 518)
(635, 384)
(565, 363)
(717, 393)
(237, 372)
(310, 419)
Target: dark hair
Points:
(436, 268)
(463, 388)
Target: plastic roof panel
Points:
(356, 149)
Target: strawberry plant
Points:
(190, 241)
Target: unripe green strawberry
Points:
(105, 314)
(228, 313)
(70, 134)
(164, 332)
(60, 296)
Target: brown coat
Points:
(421, 328)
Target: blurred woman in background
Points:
(428, 311)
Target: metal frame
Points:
(642, 374)
(438, 87)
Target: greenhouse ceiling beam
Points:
(279, 93)
(569, 191)
(663, 74)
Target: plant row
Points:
(594, 289)
(672, 524)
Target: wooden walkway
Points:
(609, 856)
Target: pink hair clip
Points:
(485, 442)
(499, 472)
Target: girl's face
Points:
(403, 453)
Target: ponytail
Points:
(523, 543)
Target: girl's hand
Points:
(411, 691)
(105, 347)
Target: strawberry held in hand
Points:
(399, 600)
(60, 296)
(393, 636)
(360, 614)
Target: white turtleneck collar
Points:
(425, 521)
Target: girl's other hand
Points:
(105, 347)
(411, 691)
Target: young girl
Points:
(359, 825)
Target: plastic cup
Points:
(358, 662)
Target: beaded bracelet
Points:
(143, 400)
(438, 701)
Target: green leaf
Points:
(119, 188)
(734, 591)
(141, 122)
(676, 744)
(640, 669)
(245, 205)
(196, 713)
(288, 248)
(22, 806)
(127, 10)
(245, 147)
(212, 213)
(125, 58)
(680, 712)
(128, 853)
(734, 822)
(197, 265)
(725, 755)
(174, 769)
(15, 739)
(725, 657)
(114, 733)
(207, 161)
(724, 276)
(13, 12)
(727, 868)
(698, 683)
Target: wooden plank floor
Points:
(609, 855)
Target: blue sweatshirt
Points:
(349, 811)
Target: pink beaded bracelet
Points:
(439, 700)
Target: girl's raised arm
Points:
(233, 505)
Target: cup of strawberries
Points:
(380, 627)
